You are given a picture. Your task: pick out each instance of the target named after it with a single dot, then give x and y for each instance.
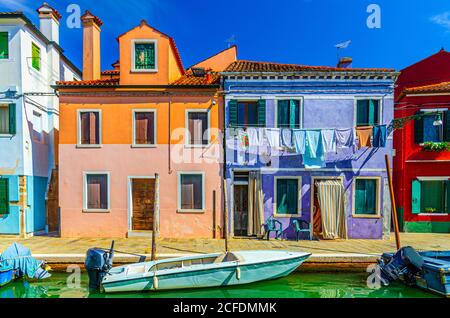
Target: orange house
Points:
(121, 128)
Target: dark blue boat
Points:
(6, 276)
(428, 270)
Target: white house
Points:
(31, 60)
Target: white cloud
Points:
(442, 19)
(17, 5)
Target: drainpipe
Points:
(169, 133)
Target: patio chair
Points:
(273, 225)
(301, 226)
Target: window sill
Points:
(366, 216)
(96, 211)
(432, 214)
(89, 146)
(6, 136)
(287, 216)
(188, 146)
(182, 211)
(144, 146)
(144, 71)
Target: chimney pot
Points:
(49, 22)
(345, 62)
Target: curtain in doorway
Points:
(255, 204)
(331, 200)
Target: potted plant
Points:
(436, 146)
(430, 210)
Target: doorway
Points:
(241, 210)
(142, 204)
(328, 208)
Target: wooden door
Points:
(143, 197)
(240, 210)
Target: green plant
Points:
(436, 146)
(430, 210)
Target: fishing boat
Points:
(16, 262)
(427, 270)
(209, 270)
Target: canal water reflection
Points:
(299, 285)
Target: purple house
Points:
(308, 144)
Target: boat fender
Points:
(155, 282)
(238, 273)
(442, 274)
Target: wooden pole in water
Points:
(394, 208)
(155, 216)
(227, 248)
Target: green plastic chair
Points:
(301, 226)
(273, 225)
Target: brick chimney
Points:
(345, 62)
(49, 22)
(91, 46)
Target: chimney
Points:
(91, 46)
(49, 22)
(345, 62)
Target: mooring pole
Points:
(155, 217)
(394, 208)
(227, 248)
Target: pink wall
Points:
(123, 161)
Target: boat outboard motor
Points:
(406, 263)
(98, 263)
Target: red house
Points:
(422, 146)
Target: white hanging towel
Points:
(286, 138)
(329, 140)
(273, 137)
(345, 138)
(299, 137)
(254, 138)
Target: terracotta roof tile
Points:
(190, 80)
(443, 87)
(243, 66)
(103, 82)
(111, 72)
(55, 12)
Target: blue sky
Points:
(285, 31)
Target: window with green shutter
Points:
(430, 196)
(4, 201)
(36, 57)
(4, 45)
(288, 114)
(366, 196)
(367, 112)
(7, 119)
(287, 197)
(145, 56)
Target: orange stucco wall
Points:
(220, 61)
(122, 161)
(168, 69)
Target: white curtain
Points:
(331, 200)
(255, 204)
(4, 119)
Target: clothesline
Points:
(312, 144)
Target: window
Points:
(37, 127)
(36, 57)
(198, 127)
(288, 114)
(431, 196)
(432, 126)
(144, 133)
(96, 192)
(89, 128)
(4, 46)
(287, 196)
(7, 119)
(247, 114)
(366, 197)
(144, 55)
(191, 192)
(367, 112)
(4, 197)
